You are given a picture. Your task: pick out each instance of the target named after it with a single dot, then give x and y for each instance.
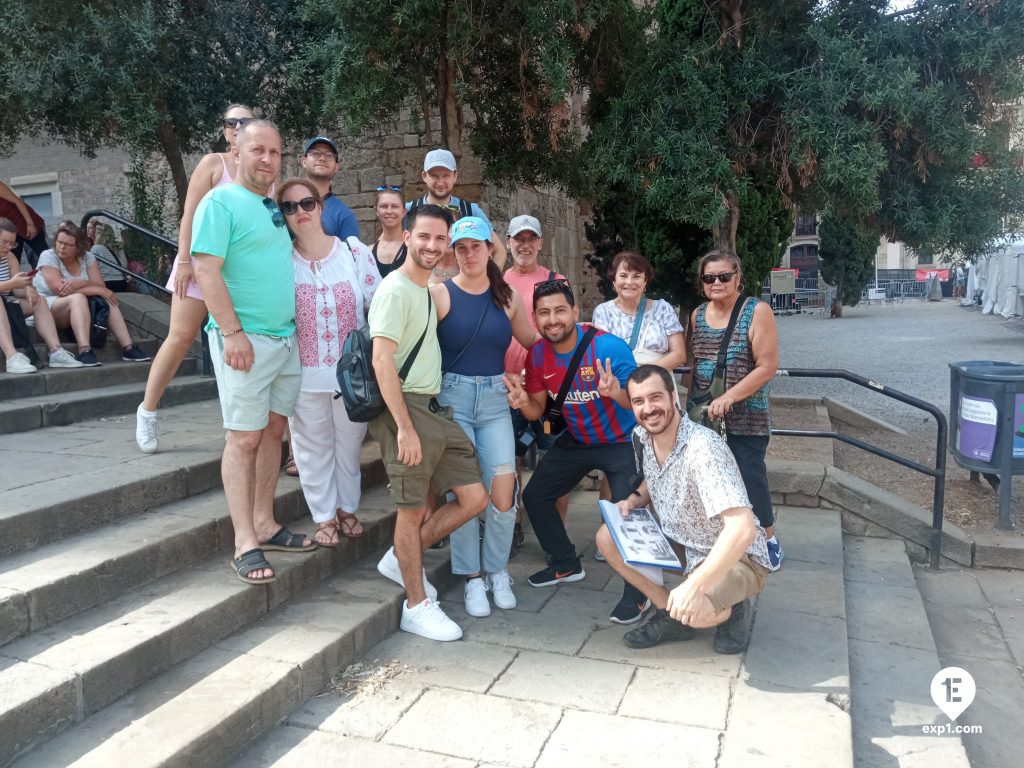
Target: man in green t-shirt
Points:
(418, 438)
(244, 268)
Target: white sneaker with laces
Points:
(429, 621)
(61, 358)
(476, 598)
(388, 566)
(147, 430)
(18, 363)
(501, 588)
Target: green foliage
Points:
(149, 75)
(147, 198)
(514, 64)
(847, 254)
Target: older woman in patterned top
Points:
(751, 362)
(334, 282)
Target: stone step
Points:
(54, 678)
(59, 579)
(63, 408)
(53, 381)
(893, 659)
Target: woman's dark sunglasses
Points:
(236, 122)
(289, 207)
(722, 277)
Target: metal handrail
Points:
(938, 472)
(163, 240)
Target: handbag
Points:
(99, 310)
(553, 420)
(357, 379)
(700, 398)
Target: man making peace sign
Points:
(598, 427)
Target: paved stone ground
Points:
(977, 619)
(907, 346)
(550, 684)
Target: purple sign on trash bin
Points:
(977, 435)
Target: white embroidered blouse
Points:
(660, 321)
(332, 296)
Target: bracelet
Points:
(230, 333)
(183, 263)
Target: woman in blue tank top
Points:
(478, 313)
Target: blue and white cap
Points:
(471, 228)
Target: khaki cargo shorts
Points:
(448, 455)
(741, 582)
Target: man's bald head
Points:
(248, 130)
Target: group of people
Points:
(65, 288)
(473, 364)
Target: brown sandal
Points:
(349, 525)
(330, 529)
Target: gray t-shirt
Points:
(48, 258)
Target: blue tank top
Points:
(486, 355)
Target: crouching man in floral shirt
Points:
(692, 483)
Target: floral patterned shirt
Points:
(698, 482)
(331, 298)
(659, 322)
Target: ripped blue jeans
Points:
(480, 407)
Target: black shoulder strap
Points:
(407, 365)
(465, 208)
(551, 275)
(574, 366)
(733, 319)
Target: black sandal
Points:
(250, 561)
(286, 541)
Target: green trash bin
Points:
(986, 434)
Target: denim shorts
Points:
(272, 384)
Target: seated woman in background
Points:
(103, 244)
(334, 282)
(68, 275)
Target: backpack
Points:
(465, 207)
(357, 380)
(99, 309)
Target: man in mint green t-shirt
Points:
(244, 268)
(418, 437)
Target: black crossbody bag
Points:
(700, 397)
(554, 422)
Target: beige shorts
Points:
(448, 455)
(272, 384)
(741, 582)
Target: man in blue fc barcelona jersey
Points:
(598, 426)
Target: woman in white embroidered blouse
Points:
(334, 282)
(659, 339)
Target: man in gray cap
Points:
(440, 175)
(320, 162)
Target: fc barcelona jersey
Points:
(590, 418)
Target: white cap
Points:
(522, 224)
(439, 157)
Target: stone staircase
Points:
(125, 640)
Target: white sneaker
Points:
(388, 566)
(476, 598)
(429, 621)
(18, 363)
(147, 430)
(501, 588)
(61, 358)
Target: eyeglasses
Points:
(274, 211)
(288, 207)
(236, 122)
(388, 188)
(318, 154)
(548, 286)
(722, 277)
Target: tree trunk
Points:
(837, 306)
(169, 144)
(724, 233)
(451, 114)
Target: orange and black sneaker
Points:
(555, 574)
(629, 610)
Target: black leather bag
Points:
(701, 397)
(100, 311)
(357, 380)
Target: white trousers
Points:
(326, 447)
